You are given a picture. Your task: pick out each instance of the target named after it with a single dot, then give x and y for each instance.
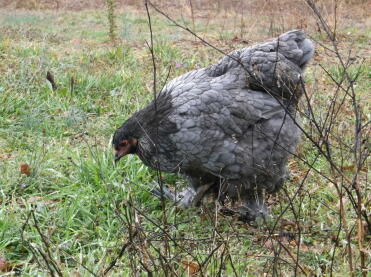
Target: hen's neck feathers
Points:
(150, 125)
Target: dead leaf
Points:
(235, 39)
(348, 168)
(76, 41)
(190, 267)
(4, 265)
(352, 168)
(6, 156)
(75, 273)
(269, 245)
(39, 200)
(25, 169)
(288, 222)
(35, 200)
(304, 248)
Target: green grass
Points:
(79, 197)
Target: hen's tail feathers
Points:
(292, 46)
(296, 47)
(275, 66)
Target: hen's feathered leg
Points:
(253, 206)
(165, 192)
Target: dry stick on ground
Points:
(72, 86)
(292, 257)
(220, 235)
(50, 78)
(78, 262)
(296, 217)
(129, 222)
(133, 233)
(29, 245)
(47, 246)
(49, 262)
(128, 242)
(165, 233)
(222, 264)
(143, 245)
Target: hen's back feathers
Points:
(274, 66)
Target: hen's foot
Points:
(253, 207)
(183, 199)
(242, 214)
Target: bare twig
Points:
(121, 253)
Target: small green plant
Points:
(111, 17)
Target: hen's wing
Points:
(216, 128)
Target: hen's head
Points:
(124, 142)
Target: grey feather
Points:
(233, 122)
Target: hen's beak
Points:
(118, 155)
(117, 158)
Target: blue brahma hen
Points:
(228, 128)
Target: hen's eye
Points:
(124, 143)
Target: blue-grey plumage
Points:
(230, 127)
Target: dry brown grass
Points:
(250, 20)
